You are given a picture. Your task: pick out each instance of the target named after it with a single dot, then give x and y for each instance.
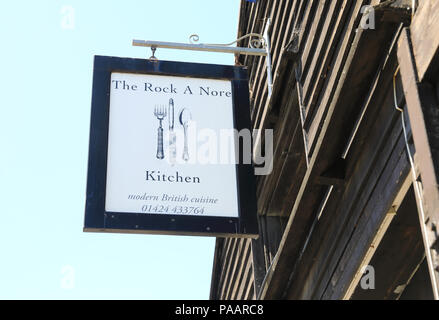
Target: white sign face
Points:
(164, 146)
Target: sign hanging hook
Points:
(153, 57)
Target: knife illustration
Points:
(185, 117)
(172, 136)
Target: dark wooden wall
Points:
(341, 170)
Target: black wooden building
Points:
(355, 115)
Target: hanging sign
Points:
(167, 149)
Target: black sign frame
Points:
(97, 219)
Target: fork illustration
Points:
(160, 113)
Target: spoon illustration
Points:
(185, 117)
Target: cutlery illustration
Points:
(160, 113)
(185, 117)
(172, 136)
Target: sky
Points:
(46, 61)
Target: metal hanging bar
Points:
(199, 47)
(258, 47)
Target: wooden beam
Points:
(425, 38)
(422, 105)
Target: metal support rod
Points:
(200, 47)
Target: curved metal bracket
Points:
(258, 43)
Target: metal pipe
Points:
(200, 47)
(268, 58)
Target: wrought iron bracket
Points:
(259, 45)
